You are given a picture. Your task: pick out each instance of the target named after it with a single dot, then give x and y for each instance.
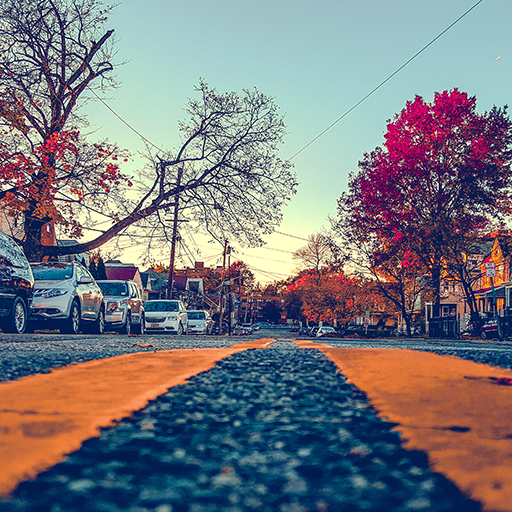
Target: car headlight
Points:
(172, 318)
(56, 292)
(112, 307)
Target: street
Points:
(258, 422)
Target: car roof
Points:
(162, 300)
(54, 263)
(115, 281)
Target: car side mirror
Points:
(85, 280)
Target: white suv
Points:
(67, 297)
(200, 322)
(166, 315)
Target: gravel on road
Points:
(275, 429)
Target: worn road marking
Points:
(44, 417)
(454, 410)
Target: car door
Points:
(96, 295)
(7, 276)
(85, 292)
(15, 275)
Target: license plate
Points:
(155, 325)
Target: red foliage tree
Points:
(443, 173)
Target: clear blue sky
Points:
(317, 59)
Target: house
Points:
(116, 270)
(495, 274)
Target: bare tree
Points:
(226, 173)
(320, 252)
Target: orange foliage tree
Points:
(330, 297)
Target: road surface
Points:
(266, 422)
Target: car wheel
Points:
(483, 334)
(127, 327)
(73, 322)
(99, 324)
(142, 326)
(180, 329)
(17, 321)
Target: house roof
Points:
(158, 280)
(121, 273)
(505, 243)
(180, 282)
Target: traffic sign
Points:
(490, 269)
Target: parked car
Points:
(225, 328)
(166, 315)
(295, 328)
(200, 322)
(304, 331)
(490, 329)
(240, 330)
(16, 286)
(249, 328)
(313, 331)
(325, 331)
(66, 297)
(124, 306)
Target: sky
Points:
(317, 59)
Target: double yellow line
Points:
(458, 412)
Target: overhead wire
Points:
(122, 120)
(375, 89)
(345, 114)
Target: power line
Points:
(292, 236)
(123, 121)
(384, 81)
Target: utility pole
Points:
(222, 283)
(229, 290)
(170, 282)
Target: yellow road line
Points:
(452, 409)
(46, 416)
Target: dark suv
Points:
(16, 286)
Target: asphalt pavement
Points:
(266, 429)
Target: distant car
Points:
(200, 322)
(325, 331)
(240, 330)
(124, 306)
(16, 286)
(313, 332)
(295, 328)
(264, 325)
(304, 331)
(166, 315)
(224, 328)
(249, 328)
(66, 297)
(490, 329)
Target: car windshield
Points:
(52, 272)
(196, 315)
(114, 289)
(161, 306)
